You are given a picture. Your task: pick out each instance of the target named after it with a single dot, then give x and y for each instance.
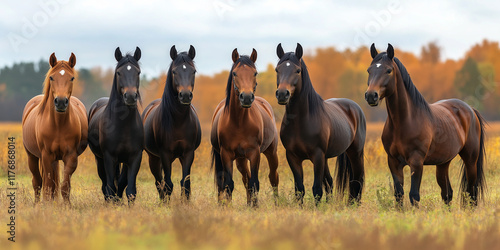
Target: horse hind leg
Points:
(155, 167)
(469, 176)
(33, 163)
(102, 174)
(272, 160)
(242, 165)
(443, 180)
(356, 165)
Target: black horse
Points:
(171, 127)
(313, 129)
(116, 133)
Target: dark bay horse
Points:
(417, 133)
(171, 127)
(243, 127)
(54, 129)
(315, 130)
(116, 133)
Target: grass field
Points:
(202, 224)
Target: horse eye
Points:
(255, 74)
(72, 78)
(52, 79)
(298, 71)
(276, 69)
(118, 73)
(389, 71)
(173, 72)
(234, 74)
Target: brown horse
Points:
(315, 130)
(417, 133)
(242, 131)
(171, 126)
(54, 128)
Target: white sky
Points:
(92, 29)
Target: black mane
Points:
(244, 60)
(315, 100)
(415, 96)
(169, 99)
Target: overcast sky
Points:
(92, 29)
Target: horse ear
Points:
(72, 60)
(253, 56)
(173, 52)
(118, 54)
(137, 53)
(279, 51)
(390, 51)
(53, 60)
(235, 55)
(191, 52)
(298, 51)
(373, 50)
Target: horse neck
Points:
(116, 107)
(300, 105)
(400, 107)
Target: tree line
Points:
(335, 73)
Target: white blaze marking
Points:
(62, 72)
(129, 67)
(288, 64)
(184, 66)
(378, 65)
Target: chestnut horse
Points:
(417, 133)
(243, 127)
(116, 134)
(171, 127)
(54, 129)
(315, 130)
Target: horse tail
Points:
(218, 168)
(480, 186)
(344, 173)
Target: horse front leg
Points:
(49, 178)
(227, 158)
(318, 160)
(33, 163)
(396, 167)
(298, 175)
(186, 162)
(132, 171)
(253, 184)
(70, 164)
(416, 164)
(166, 162)
(110, 163)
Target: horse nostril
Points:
(277, 93)
(136, 95)
(366, 96)
(190, 95)
(241, 96)
(56, 101)
(287, 94)
(253, 97)
(375, 96)
(66, 102)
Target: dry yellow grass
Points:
(374, 224)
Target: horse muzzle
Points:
(130, 98)
(61, 104)
(246, 99)
(372, 98)
(283, 96)
(185, 97)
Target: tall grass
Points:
(201, 223)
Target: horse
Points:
(417, 133)
(171, 126)
(54, 128)
(316, 130)
(116, 133)
(243, 127)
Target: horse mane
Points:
(114, 89)
(169, 97)
(46, 83)
(417, 99)
(316, 103)
(245, 60)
